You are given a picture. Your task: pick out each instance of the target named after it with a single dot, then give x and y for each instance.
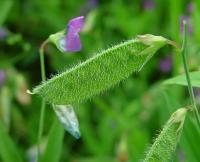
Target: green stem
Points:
(184, 51)
(43, 105)
(42, 64)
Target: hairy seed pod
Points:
(165, 144)
(100, 72)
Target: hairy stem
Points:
(42, 111)
(184, 52)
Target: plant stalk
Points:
(184, 52)
(43, 105)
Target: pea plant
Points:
(98, 74)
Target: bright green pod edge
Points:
(100, 72)
(164, 147)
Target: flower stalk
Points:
(190, 89)
(43, 105)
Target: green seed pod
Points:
(165, 144)
(100, 72)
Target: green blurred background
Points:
(120, 124)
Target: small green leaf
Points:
(165, 144)
(8, 150)
(100, 72)
(54, 144)
(181, 79)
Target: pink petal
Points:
(76, 23)
(73, 42)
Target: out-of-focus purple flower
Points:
(148, 4)
(2, 77)
(196, 92)
(3, 34)
(165, 64)
(186, 18)
(190, 7)
(92, 3)
(71, 42)
(88, 6)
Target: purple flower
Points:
(190, 7)
(2, 77)
(76, 24)
(165, 65)
(148, 4)
(196, 92)
(187, 18)
(71, 42)
(3, 34)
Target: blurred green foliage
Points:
(120, 124)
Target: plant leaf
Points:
(100, 72)
(181, 79)
(5, 105)
(54, 144)
(8, 150)
(5, 7)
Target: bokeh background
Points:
(120, 124)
